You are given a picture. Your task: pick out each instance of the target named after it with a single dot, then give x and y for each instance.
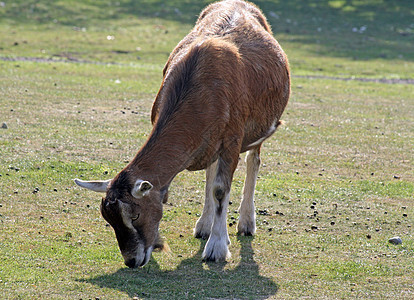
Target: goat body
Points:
(224, 89)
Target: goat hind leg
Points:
(247, 220)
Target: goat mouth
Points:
(139, 260)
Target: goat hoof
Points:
(214, 257)
(246, 230)
(243, 233)
(201, 235)
(202, 229)
(216, 250)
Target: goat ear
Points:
(141, 188)
(96, 186)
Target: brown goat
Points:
(224, 90)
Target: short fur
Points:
(224, 89)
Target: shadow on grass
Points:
(193, 279)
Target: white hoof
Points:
(216, 250)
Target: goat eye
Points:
(135, 218)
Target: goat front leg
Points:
(216, 248)
(247, 220)
(204, 223)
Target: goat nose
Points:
(131, 263)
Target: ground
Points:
(77, 81)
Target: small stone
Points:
(395, 240)
(4, 125)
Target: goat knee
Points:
(219, 194)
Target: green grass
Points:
(336, 181)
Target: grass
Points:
(336, 181)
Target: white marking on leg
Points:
(247, 220)
(216, 248)
(204, 223)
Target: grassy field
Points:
(77, 81)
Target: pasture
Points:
(77, 81)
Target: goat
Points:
(224, 89)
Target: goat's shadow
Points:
(193, 279)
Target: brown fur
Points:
(240, 86)
(224, 90)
